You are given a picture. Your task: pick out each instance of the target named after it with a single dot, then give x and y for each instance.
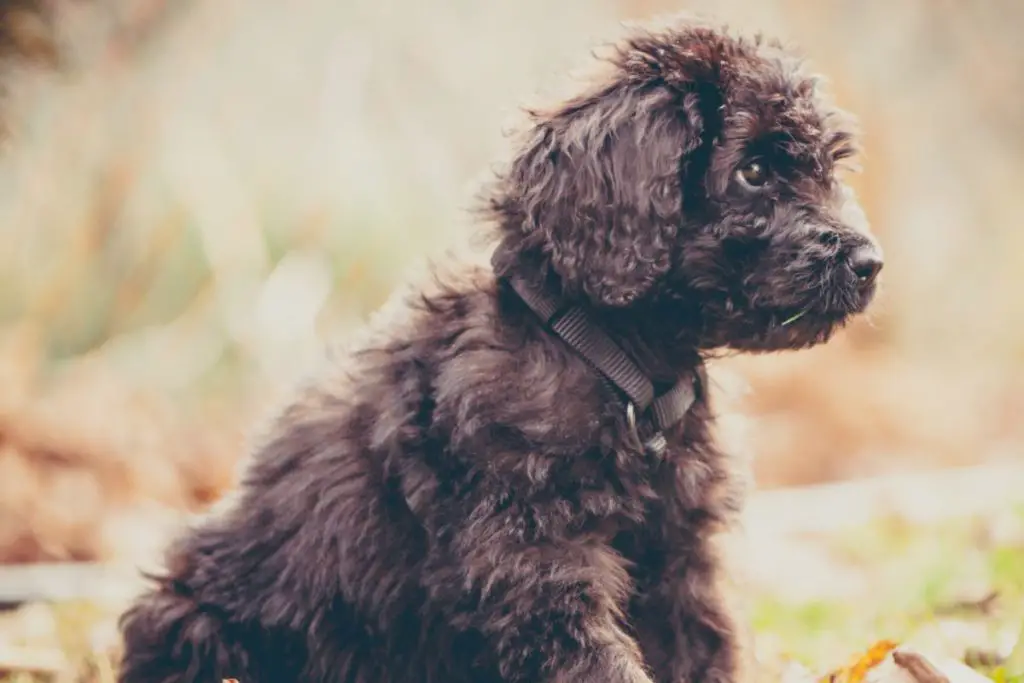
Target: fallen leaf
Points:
(859, 667)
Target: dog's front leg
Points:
(549, 607)
(685, 628)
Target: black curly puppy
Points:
(518, 482)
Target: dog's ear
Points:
(597, 190)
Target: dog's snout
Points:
(866, 262)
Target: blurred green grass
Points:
(952, 588)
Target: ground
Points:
(954, 587)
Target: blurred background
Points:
(196, 196)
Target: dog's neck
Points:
(663, 352)
(652, 404)
(641, 332)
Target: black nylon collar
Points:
(578, 329)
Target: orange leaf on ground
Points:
(857, 669)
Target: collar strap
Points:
(578, 329)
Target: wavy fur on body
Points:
(461, 502)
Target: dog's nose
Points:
(866, 262)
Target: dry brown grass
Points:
(90, 468)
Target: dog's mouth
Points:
(784, 328)
(799, 309)
(804, 318)
(795, 329)
(844, 297)
(817, 314)
(825, 311)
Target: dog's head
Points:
(700, 182)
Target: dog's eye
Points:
(753, 174)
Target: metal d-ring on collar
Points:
(654, 446)
(574, 326)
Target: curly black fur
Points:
(462, 503)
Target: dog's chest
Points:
(629, 497)
(654, 489)
(641, 546)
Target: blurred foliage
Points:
(197, 195)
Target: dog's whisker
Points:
(793, 318)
